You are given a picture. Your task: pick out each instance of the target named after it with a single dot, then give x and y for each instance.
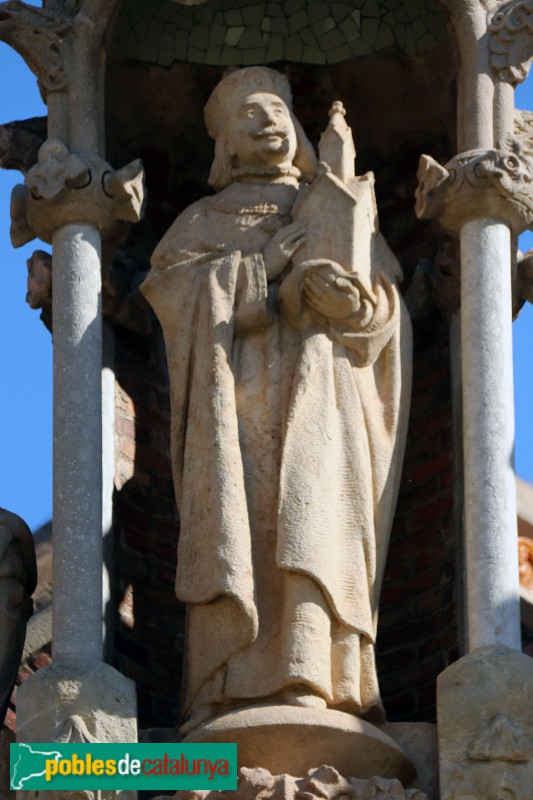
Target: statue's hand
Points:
(331, 294)
(281, 248)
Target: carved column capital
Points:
(63, 188)
(510, 30)
(479, 184)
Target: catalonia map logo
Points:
(41, 766)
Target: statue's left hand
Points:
(331, 294)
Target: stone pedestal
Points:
(485, 725)
(292, 740)
(76, 702)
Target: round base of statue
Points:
(292, 740)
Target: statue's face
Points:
(262, 133)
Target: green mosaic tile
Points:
(369, 30)
(238, 31)
(410, 45)
(399, 34)
(280, 25)
(230, 56)
(217, 33)
(165, 56)
(166, 41)
(385, 37)
(185, 23)
(233, 17)
(340, 11)
(182, 40)
(212, 56)
(356, 16)
(167, 12)
(252, 37)
(253, 15)
(308, 37)
(419, 29)
(199, 37)
(401, 16)
(312, 55)
(411, 10)
(298, 21)
(322, 26)
(338, 54)
(275, 48)
(148, 52)
(233, 36)
(359, 48)
(318, 11)
(293, 48)
(274, 10)
(332, 39)
(426, 43)
(253, 56)
(292, 6)
(140, 29)
(350, 29)
(371, 9)
(195, 55)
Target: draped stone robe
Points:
(287, 438)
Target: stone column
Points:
(73, 199)
(482, 196)
(493, 606)
(77, 608)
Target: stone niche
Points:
(391, 65)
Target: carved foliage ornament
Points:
(64, 188)
(498, 765)
(511, 40)
(478, 184)
(48, 38)
(323, 783)
(41, 37)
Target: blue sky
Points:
(26, 350)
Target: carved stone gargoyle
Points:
(496, 183)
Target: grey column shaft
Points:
(77, 575)
(488, 436)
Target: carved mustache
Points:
(270, 132)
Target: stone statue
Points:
(290, 384)
(18, 578)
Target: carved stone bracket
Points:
(511, 40)
(65, 188)
(42, 38)
(323, 783)
(478, 184)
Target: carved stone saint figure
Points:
(290, 383)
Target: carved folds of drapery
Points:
(65, 188)
(510, 31)
(479, 184)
